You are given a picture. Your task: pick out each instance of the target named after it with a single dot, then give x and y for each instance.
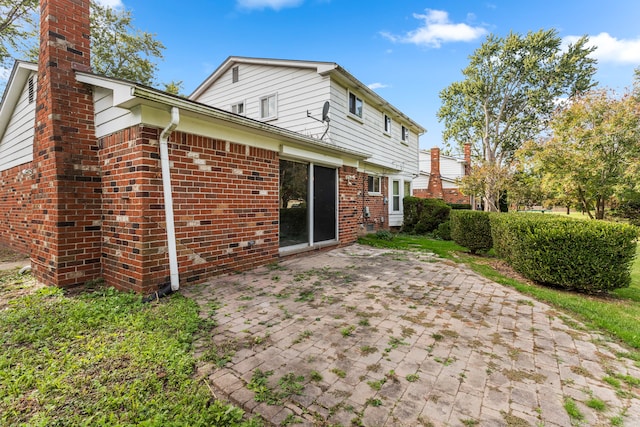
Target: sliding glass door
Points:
(308, 207)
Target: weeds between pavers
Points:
(290, 384)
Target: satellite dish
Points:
(325, 112)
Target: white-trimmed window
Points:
(235, 74)
(405, 134)
(268, 107)
(395, 195)
(238, 108)
(356, 106)
(374, 184)
(387, 124)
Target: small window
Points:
(374, 184)
(387, 124)
(407, 189)
(238, 108)
(268, 107)
(355, 105)
(405, 134)
(235, 74)
(31, 90)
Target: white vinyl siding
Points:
(110, 119)
(299, 90)
(16, 146)
(366, 136)
(302, 89)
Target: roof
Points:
(323, 68)
(18, 78)
(127, 94)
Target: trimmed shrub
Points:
(587, 256)
(423, 216)
(458, 206)
(472, 230)
(444, 231)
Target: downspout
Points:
(168, 198)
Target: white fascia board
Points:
(18, 78)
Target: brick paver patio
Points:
(364, 336)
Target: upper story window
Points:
(268, 107)
(355, 105)
(235, 74)
(387, 124)
(405, 134)
(238, 108)
(374, 184)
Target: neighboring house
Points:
(440, 174)
(291, 95)
(105, 178)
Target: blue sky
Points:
(408, 50)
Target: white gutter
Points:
(168, 198)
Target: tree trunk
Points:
(600, 208)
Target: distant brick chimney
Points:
(434, 188)
(66, 218)
(467, 158)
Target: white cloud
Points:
(113, 4)
(437, 29)
(374, 86)
(271, 4)
(611, 49)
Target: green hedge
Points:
(587, 256)
(423, 215)
(459, 206)
(471, 229)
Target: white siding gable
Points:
(16, 145)
(297, 91)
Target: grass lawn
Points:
(101, 358)
(617, 313)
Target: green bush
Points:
(444, 231)
(471, 229)
(458, 206)
(587, 256)
(384, 235)
(423, 216)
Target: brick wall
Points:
(15, 207)
(378, 210)
(225, 206)
(66, 196)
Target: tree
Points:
(16, 25)
(509, 92)
(120, 50)
(593, 151)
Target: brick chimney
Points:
(434, 188)
(467, 158)
(66, 217)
